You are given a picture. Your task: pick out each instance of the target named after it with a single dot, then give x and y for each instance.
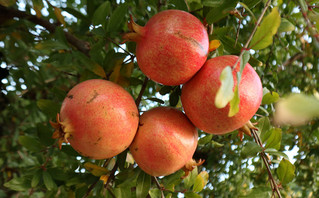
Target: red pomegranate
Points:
(99, 119)
(198, 97)
(166, 140)
(171, 47)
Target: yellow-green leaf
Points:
(234, 103)
(285, 26)
(95, 169)
(285, 171)
(200, 181)
(213, 45)
(225, 92)
(7, 3)
(267, 29)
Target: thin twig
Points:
(253, 32)
(118, 45)
(90, 188)
(272, 181)
(7, 13)
(310, 29)
(139, 97)
(159, 186)
(112, 175)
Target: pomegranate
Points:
(166, 140)
(198, 97)
(99, 119)
(171, 47)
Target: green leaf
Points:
(251, 149)
(192, 195)
(48, 181)
(172, 180)
(212, 3)
(45, 134)
(180, 4)
(48, 107)
(31, 143)
(225, 92)
(143, 184)
(234, 103)
(273, 151)
(36, 178)
(285, 26)
(156, 100)
(122, 192)
(270, 97)
(165, 90)
(90, 64)
(265, 32)
(121, 159)
(206, 139)
(155, 193)
(117, 17)
(190, 179)
(18, 184)
(200, 181)
(174, 98)
(303, 5)
(243, 61)
(101, 13)
(264, 125)
(221, 11)
(285, 171)
(272, 138)
(260, 192)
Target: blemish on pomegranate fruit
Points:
(191, 40)
(70, 96)
(136, 149)
(94, 96)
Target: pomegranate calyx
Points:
(137, 31)
(246, 129)
(60, 132)
(190, 165)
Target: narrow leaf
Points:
(265, 32)
(101, 13)
(18, 184)
(48, 107)
(48, 181)
(117, 17)
(190, 179)
(95, 169)
(143, 185)
(264, 125)
(36, 179)
(155, 193)
(285, 171)
(225, 92)
(273, 151)
(272, 138)
(234, 103)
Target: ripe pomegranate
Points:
(171, 47)
(166, 140)
(198, 97)
(99, 119)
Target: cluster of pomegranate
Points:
(100, 119)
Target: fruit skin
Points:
(198, 96)
(166, 140)
(171, 47)
(101, 118)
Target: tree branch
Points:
(159, 186)
(7, 13)
(253, 32)
(139, 97)
(272, 181)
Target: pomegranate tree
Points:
(99, 119)
(198, 97)
(171, 47)
(166, 140)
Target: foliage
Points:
(47, 47)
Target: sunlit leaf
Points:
(285, 171)
(190, 179)
(265, 32)
(225, 92)
(95, 169)
(270, 97)
(213, 45)
(18, 184)
(285, 26)
(200, 181)
(234, 103)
